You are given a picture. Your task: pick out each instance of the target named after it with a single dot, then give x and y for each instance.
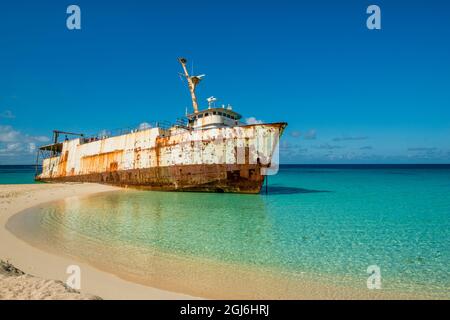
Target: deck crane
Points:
(56, 134)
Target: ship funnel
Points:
(193, 81)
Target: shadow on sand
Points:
(274, 189)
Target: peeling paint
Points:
(222, 159)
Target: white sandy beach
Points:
(45, 274)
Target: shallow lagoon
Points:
(324, 223)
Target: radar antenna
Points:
(211, 101)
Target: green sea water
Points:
(17, 174)
(325, 221)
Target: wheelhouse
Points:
(214, 117)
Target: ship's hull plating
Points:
(228, 159)
(195, 178)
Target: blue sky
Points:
(349, 94)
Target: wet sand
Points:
(39, 265)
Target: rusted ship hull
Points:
(194, 178)
(213, 160)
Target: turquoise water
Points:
(17, 174)
(333, 222)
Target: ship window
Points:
(214, 113)
(206, 114)
(200, 116)
(220, 113)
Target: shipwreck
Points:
(209, 150)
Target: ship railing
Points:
(164, 125)
(54, 150)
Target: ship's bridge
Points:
(214, 118)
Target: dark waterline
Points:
(24, 174)
(324, 166)
(366, 166)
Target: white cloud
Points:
(11, 147)
(327, 146)
(422, 149)
(311, 134)
(350, 138)
(144, 125)
(40, 138)
(8, 134)
(104, 133)
(14, 143)
(31, 147)
(253, 120)
(7, 114)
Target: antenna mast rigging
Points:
(193, 81)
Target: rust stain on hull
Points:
(105, 162)
(205, 178)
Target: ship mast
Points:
(193, 81)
